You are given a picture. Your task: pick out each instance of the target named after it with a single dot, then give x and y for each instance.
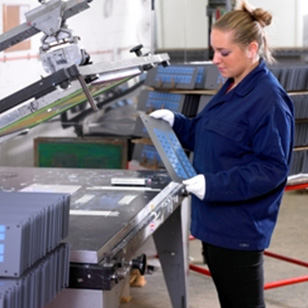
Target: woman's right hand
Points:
(163, 114)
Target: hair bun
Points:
(264, 18)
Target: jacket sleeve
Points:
(184, 128)
(268, 166)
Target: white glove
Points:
(163, 114)
(196, 185)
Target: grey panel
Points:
(173, 77)
(31, 225)
(204, 100)
(152, 100)
(147, 155)
(169, 148)
(38, 285)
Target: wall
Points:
(183, 23)
(286, 16)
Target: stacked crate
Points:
(187, 88)
(294, 78)
(34, 259)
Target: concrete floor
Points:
(290, 239)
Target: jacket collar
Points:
(243, 88)
(249, 82)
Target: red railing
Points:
(274, 284)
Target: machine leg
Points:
(168, 240)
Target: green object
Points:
(81, 153)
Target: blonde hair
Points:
(248, 25)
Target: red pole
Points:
(267, 286)
(199, 269)
(280, 257)
(285, 282)
(296, 187)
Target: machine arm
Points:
(40, 88)
(39, 19)
(73, 79)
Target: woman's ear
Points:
(253, 49)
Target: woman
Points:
(242, 143)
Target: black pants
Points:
(237, 275)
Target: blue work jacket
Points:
(242, 142)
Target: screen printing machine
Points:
(111, 212)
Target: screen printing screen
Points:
(60, 105)
(169, 148)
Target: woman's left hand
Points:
(196, 185)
